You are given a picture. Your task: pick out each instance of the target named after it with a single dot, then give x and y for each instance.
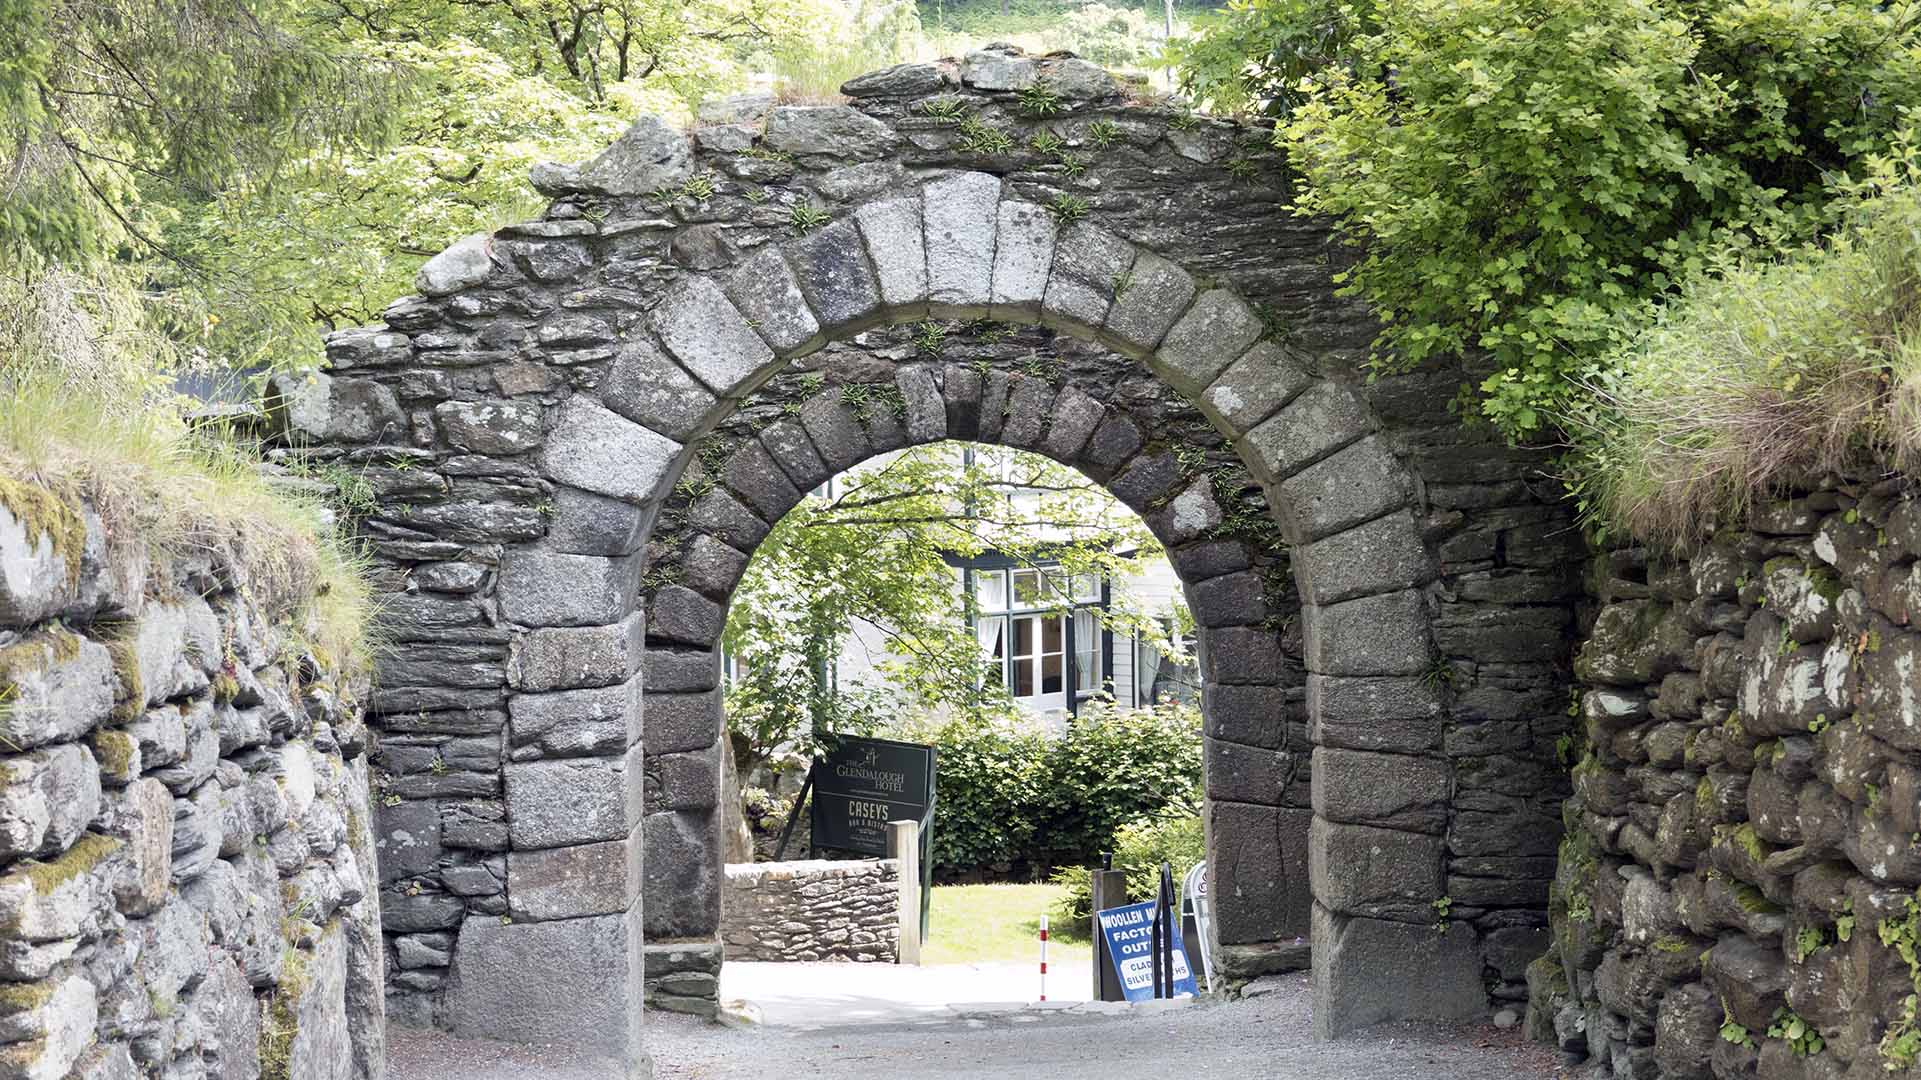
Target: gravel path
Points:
(1266, 1038)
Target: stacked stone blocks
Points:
(799, 912)
(186, 846)
(1742, 846)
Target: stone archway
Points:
(1083, 406)
(528, 421)
(1359, 557)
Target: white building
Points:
(1044, 626)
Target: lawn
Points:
(972, 924)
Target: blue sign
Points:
(1129, 933)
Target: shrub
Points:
(1519, 173)
(986, 774)
(1113, 766)
(1015, 803)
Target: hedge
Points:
(1016, 804)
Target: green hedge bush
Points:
(1017, 804)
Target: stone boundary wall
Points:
(1744, 842)
(186, 852)
(812, 910)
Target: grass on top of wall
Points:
(1761, 376)
(183, 494)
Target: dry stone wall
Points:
(580, 430)
(186, 848)
(1737, 892)
(812, 910)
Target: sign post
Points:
(1109, 889)
(1129, 933)
(1197, 898)
(861, 785)
(903, 843)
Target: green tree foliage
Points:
(113, 116)
(255, 171)
(1266, 54)
(493, 88)
(876, 554)
(107, 105)
(334, 246)
(847, 39)
(1520, 173)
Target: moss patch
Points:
(85, 854)
(45, 516)
(126, 668)
(115, 749)
(1750, 843)
(37, 654)
(25, 997)
(1751, 900)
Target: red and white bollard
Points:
(1043, 958)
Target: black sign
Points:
(863, 784)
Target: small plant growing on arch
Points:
(1103, 133)
(929, 336)
(943, 110)
(805, 218)
(979, 138)
(1068, 208)
(1039, 100)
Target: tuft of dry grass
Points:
(1762, 377)
(187, 496)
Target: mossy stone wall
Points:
(183, 821)
(1736, 895)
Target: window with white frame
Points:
(1027, 617)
